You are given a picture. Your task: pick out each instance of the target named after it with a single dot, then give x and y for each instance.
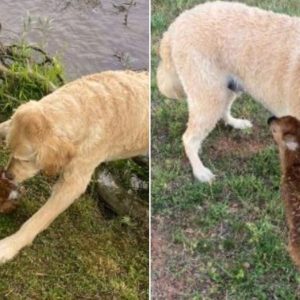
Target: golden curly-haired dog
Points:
(101, 117)
(217, 50)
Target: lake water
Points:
(88, 35)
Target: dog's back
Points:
(101, 113)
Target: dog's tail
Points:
(167, 79)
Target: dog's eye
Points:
(25, 160)
(22, 160)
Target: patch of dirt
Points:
(163, 284)
(176, 272)
(226, 144)
(244, 146)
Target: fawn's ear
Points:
(291, 142)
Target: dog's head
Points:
(286, 132)
(9, 193)
(35, 145)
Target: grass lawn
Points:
(226, 240)
(81, 255)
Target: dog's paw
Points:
(204, 175)
(240, 124)
(8, 249)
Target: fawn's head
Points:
(286, 132)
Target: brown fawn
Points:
(286, 133)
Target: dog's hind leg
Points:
(234, 122)
(202, 119)
(207, 98)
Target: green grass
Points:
(26, 73)
(81, 255)
(226, 240)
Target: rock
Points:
(123, 189)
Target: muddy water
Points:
(88, 35)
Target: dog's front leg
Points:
(65, 192)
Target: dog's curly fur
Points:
(212, 49)
(101, 117)
(286, 133)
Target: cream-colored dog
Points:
(101, 117)
(216, 51)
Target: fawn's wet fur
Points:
(286, 133)
(8, 193)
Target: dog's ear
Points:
(54, 154)
(27, 122)
(291, 142)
